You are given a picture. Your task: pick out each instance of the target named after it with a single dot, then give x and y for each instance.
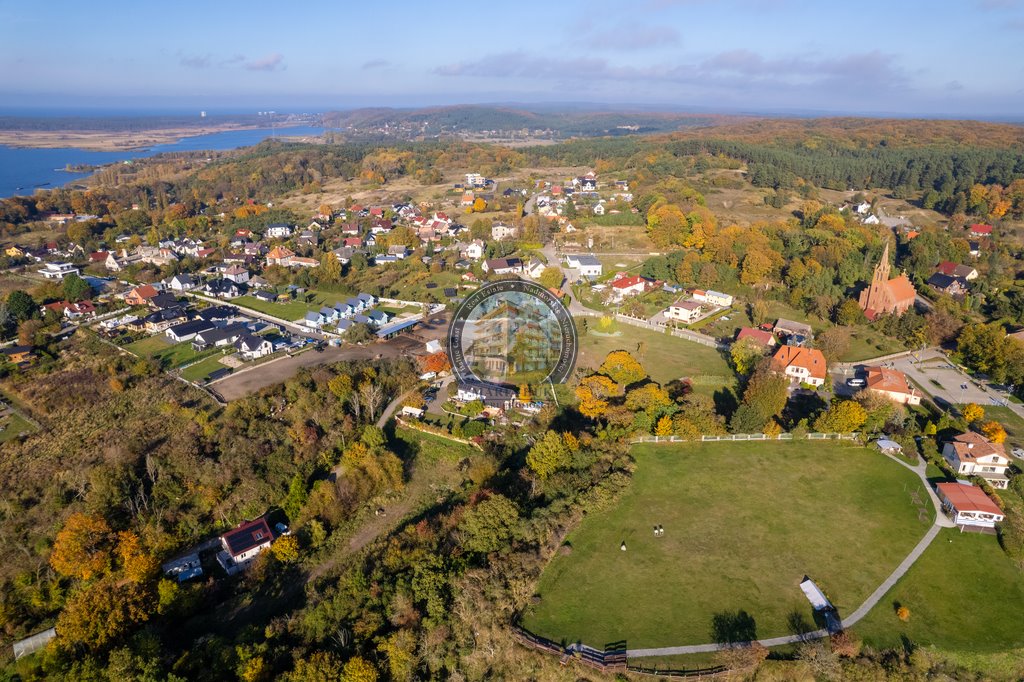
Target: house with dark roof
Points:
(241, 545)
(952, 269)
(503, 266)
(160, 320)
(216, 313)
(218, 336)
(187, 330)
(951, 286)
(164, 299)
(250, 346)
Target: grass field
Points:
(744, 522)
(866, 344)
(13, 426)
(290, 310)
(168, 354)
(202, 369)
(964, 594)
(665, 357)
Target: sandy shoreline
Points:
(107, 141)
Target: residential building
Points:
(475, 249)
(503, 266)
(243, 544)
(251, 347)
(278, 231)
(795, 333)
(501, 231)
(585, 265)
(219, 336)
(713, 297)
(968, 505)
(951, 269)
(626, 286)
(18, 355)
(236, 273)
(489, 394)
(378, 318)
(971, 454)
(951, 286)
(535, 268)
(892, 384)
(684, 310)
(304, 262)
(885, 296)
(759, 336)
(314, 320)
(160, 320)
(806, 365)
(140, 295)
(224, 288)
(187, 330)
(280, 255)
(58, 270)
(980, 230)
(182, 283)
(164, 299)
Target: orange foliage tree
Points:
(82, 548)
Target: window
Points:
(258, 535)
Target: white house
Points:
(187, 330)
(313, 320)
(182, 283)
(971, 454)
(969, 505)
(503, 266)
(58, 270)
(598, 209)
(475, 250)
(237, 274)
(251, 347)
(243, 544)
(713, 297)
(684, 311)
(584, 265)
(278, 231)
(500, 231)
(535, 268)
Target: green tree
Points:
(548, 455)
(490, 525)
(75, 288)
(551, 277)
(849, 313)
(21, 306)
(745, 355)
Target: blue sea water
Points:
(22, 171)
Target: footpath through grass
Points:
(744, 522)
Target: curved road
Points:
(941, 521)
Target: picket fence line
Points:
(743, 437)
(687, 334)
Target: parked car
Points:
(1018, 453)
(855, 382)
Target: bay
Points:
(24, 170)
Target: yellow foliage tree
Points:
(664, 427)
(137, 565)
(994, 431)
(286, 549)
(973, 412)
(479, 205)
(592, 392)
(358, 669)
(82, 548)
(622, 368)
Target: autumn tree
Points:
(664, 427)
(551, 277)
(286, 549)
(82, 548)
(435, 362)
(763, 399)
(548, 455)
(319, 666)
(136, 564)
(622, 368)
(973, 412)
(849, 313)
(330, 268)
(745, 355)
(103, 612)
(994, 431)
(842, 416)
(358, 669)
(592, 393)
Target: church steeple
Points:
(882, 269)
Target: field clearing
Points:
(744, 522)
(1011, 421)
(202, 369)
(12, 426)
(964, 594)
(666, 357)
(169, 355)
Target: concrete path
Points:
(941, 521)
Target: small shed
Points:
(889, 447)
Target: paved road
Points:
(941, 521)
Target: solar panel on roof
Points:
(431, 285)
(450, 293)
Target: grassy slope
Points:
(964, 594)
(744, 522)
(667, 357)
(1010, 420)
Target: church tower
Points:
(886, 296)
(882, 269)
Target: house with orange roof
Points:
(971, 454)
(806, 365)
(140, 295)
(759, 336)
(280, 255)
(892, 384)
(969, 505)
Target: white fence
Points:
(693, 336)
(743, 437)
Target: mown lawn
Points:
(666, 357)
(13, 426)
(964, 594)
(290, 310)
(866, 344)
(169, 355)
(744, 522)
(202, 369)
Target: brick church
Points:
(887, 296)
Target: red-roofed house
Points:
(969, 505)
(951, 269)
(765, 338)
(980, 230)
(629, 286)
(892, 384)
(806, 365)
(242, 544)
(140, 295)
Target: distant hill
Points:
(465, 119)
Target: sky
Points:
(961, 58)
